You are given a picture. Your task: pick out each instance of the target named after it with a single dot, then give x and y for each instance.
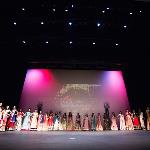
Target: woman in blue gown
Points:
(26, 120)
(93, 122)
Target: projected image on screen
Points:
(83, 91)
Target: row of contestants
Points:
(17, 120)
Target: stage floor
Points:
(84, 140)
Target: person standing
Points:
(40, 121)
(99, 124)
(129, 123)
(1, 118)
(86, 123)
(45, 122)
(114, 122)
(93, 122)
(70, 122)
(64, 121)
(122, 121)
(20, 115)
(142, 121)
(27, 120)
(148, 118)
(56, 122)
(78, 122)
(50, 121)
(34, 118)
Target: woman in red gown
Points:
(136, 122)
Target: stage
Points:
(76, 140)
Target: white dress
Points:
(34, 120)
(122, 122)
(142, 120)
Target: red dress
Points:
(136, 121)
(50, 121)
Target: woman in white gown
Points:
(19, 120)
(142, 121)
(34, 120)
(122, 121)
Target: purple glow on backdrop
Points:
(114, 90)
(72, 90)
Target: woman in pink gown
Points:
(114, 122)
(98, 123)
(86, 123)
(129, 123)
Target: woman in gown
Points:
(59, 121)
(56, 122)
(114, 122)
(1, 118)
(64, 121)
(50, 121)
(34, 118)
(40, 121)
(70, 122)
(6, 116)
(148, 118)
(106, 122)
(12, 119)
(86, 123)
(45, 122)
(122, 121)
(128, 119)
(20, 115)
(99, 124)
(142, 121)
(136, 122)
(93, 122)
(78, 122)
(26, 121)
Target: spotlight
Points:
(42, 22)
(46, 42)
(140, 11)
(98, 24)
(125, 26)
(130, 13)
(103, 11)
(23, 42)
(93, 43)
(70, 42)
(15, 23)
(54, 9)
(66, 10)
(107, 8)
(70, 23)
(72, 6)
(117, 44)
(23, 9)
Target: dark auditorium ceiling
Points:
(74, 29)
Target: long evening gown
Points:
(26, 121)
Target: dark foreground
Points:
(61, 140)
